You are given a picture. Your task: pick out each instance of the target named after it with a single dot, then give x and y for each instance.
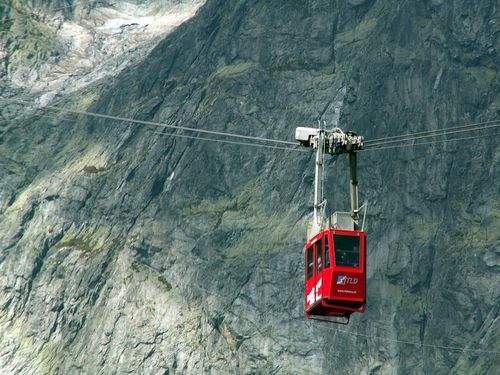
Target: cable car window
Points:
(319, 255)
(327, 253)
(309, 263)
(346, 251)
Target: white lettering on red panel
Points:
(315, 293)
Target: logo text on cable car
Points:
(344, 280)
(315, 293)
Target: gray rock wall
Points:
(126, 251)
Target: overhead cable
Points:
(226, 141)
(476, 128)
(431, 131)
(208, 139)
(417, 343)
(161, 125)
(421, 144)
(370, 147)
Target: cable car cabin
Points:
(335, 261)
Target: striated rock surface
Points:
(125, 251)
(55, 47)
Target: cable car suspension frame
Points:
(335, 251)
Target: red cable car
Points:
(335, 251)
(335, 262)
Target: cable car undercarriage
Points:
(335, 251)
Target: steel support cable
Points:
(160, 125)
(370, 147)
(456, 348)
(430, 131)
(476, 128)
(292, 149)
(226, 141)
(205, 139)
(423, 143)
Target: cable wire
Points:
(476, 128)
(161, 125)
(417, 343)
(226, 141)
(431, 131)
(421, 144)
(203, 139)
(371, 147)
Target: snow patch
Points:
(88, 53)
(163, 21)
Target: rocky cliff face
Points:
(52, 48)
(126, 251)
